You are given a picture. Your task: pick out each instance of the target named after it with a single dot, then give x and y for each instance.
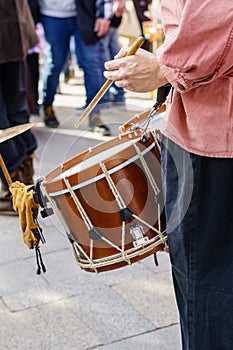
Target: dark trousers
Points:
(13, 111)
(33, 76)
(199, 194)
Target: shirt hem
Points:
(199, 152)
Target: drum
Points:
(110, 202)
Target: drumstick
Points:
(138, 43)
(5, 171)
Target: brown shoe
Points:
(96, 125)
(69, 75)
(6, 206)
(27, 171)
(50, 119)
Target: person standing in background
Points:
(32, 67)
(87, 21)
(16, 24)
(141, 8)
(108, 48)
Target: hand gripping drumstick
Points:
(138, 43)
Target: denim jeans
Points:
(199, 194)
(108, 48)
(13, 112)
(58, 32)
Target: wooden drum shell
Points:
(95, 196)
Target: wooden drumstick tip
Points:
(136, 45)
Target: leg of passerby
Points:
(108, 48)
(17, 152)
(88, 58)
(57, 34)
(117, 93)
(104, 55)
(14, 93)
(68, 68)
(33, 77)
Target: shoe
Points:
(27, 171)
(37, 110)
(96, 125)
(81, 109)
(6, 206)
(106, 105)
(69, 75)
(119, 105)
(50, 119)
(58, 91)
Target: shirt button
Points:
(181, 87)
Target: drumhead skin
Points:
(110, 202)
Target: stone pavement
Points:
(132, 308)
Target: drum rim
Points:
(136, 134)
(95, 264)
(102, 175)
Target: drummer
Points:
(17, 153)
(197, 159)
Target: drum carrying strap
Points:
(162, 94)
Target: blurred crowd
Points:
(68, 32)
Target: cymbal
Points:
(7, 134)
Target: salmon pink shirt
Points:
(197, 59)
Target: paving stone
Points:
(50, 327)
(161, 339)
(3, 307)
(18, 276)
(163, 263)
(12, 246)
(33, 297)
(109, 315)
(152, 297)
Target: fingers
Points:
(118, 62)
(112, 65)
(115, 69)
(119, 69)
(110, 75)
(122, 53)
(101, 26)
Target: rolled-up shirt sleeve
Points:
(199, 42)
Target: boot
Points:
(96, 125)
(6, 206)
(50, 119)
(27, 171)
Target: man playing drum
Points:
(197, 159)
